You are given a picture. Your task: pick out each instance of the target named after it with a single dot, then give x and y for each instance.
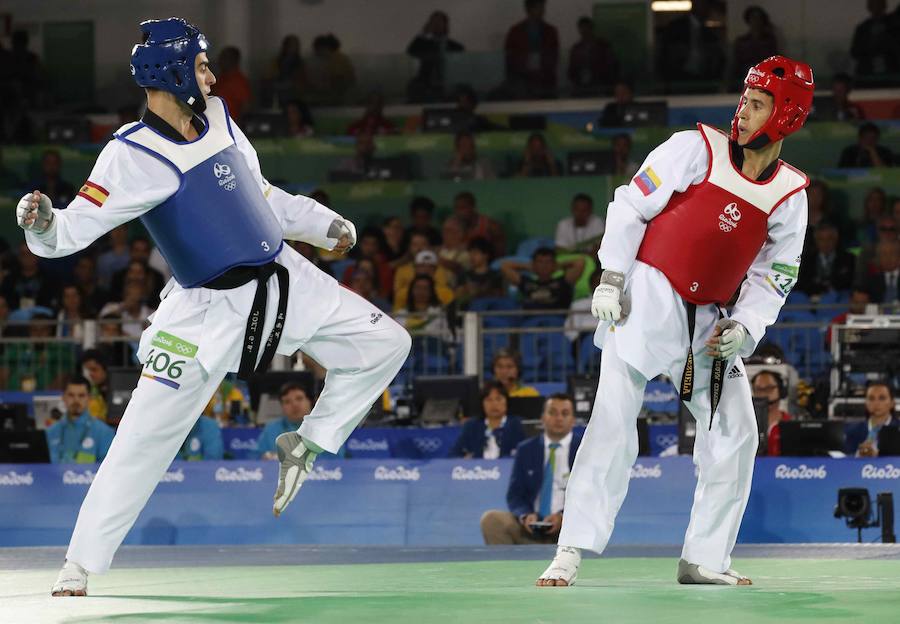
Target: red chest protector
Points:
(706, 238)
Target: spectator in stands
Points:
(431, 48)
(691, 50)
(506, 368)
(229, 406)
(613, 115)
(494, 436)
(203, 442)
(40, 364)
(757, 44)
(50, 180)
(232, 84)
(94, 366)
(24, 77)
(421, 212)
(862, 438)
(466, 103)
(84, 275)
(371, 247)
(867, 152)
(373, 120)
(769, 385)
(867, 263)
(838, 107)
(117, 352)
(403, 275)
(392, 229)
(541, 290)
(360, 164)
(532, 55)
(9, 180)
(623, 165)
(299, 119)
(859, 300)
(582, 232)
(465, 164)
(821, 209)
(883, 286)
(874, 208)
(480, 280)
(827, 266)
(453, 253)
(330, 72)
(874, 45)
(479, 225)
(425, 264)
(364, 283)
(132, 309)
(70, 317)
(287, 75)
(382, 281)
(592, 62)
(78, 438)
(139, 253)
(29, 286)
(424, 311)
(538, 160)
(295, 404)
(115, 258)
(537, 487)
(580, 321)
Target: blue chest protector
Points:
(219, 218)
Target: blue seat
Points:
(496, 304)
(588, 355)
(528, 246)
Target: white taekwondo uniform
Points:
(653, 340)
(197, 334)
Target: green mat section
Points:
(609, 590)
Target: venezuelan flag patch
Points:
(647, 181)
(94, 193)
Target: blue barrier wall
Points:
(436, 502)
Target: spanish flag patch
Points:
(94, 193)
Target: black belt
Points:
(238, 276)
(717, 375)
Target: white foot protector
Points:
(72, 581)
(694, 574)
(296, 463)
(564, 567)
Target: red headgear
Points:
(791, 85)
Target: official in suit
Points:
(496, 435)
(537, 488)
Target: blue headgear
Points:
(165, 59)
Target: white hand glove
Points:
(607, 303)
(34, 212)
(727, 339)
(343, 227)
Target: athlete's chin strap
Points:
(238, 276)
(717, 374)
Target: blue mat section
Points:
(419, 503)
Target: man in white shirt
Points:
(238, 296)
(583, 230)
(537, 487)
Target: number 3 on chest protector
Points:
(265, 246)
(695, 286)
(162, 363)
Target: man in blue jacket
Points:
(78, 437)
(537, 488)
(203, 442)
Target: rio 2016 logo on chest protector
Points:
(729, 218)
(226, 179)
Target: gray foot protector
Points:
(693, 574)
(296, 463)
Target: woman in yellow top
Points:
(506, 369)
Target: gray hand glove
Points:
(727, 339)
(608, 302)
(342, 227)
(34, 212)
